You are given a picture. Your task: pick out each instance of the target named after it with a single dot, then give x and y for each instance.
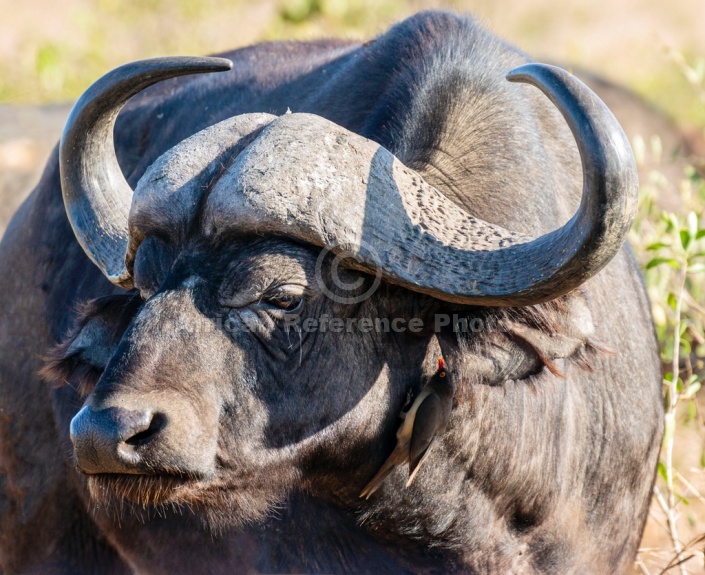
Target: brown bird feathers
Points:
(425, 420)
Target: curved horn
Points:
(307, 178)
(96, 195)
(594, 235)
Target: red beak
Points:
(441, 363)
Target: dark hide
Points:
(547, 463)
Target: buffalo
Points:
(219, 300)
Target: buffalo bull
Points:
(228, 332)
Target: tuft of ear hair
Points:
(81, 357)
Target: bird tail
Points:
(379, 477)
(415, 465)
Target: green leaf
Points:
(692, 411)
(690, 391)
(683, 327)
(692, 224)
(696, 268)
(700, 234)
(658, 261)
(672, 221)
(672, 300)
(658, 246)
(682, 498)
(691, 173)
(686, 348)
(662, 467)
(685, 238)
(692, 379)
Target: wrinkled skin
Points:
(549, 457)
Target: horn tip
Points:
(532, 70)
(220, 64)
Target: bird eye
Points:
(442, 374)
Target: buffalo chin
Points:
(143, 490)
(218, 506)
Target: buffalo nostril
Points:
(143, 430)
(111, 440)
(142, 436)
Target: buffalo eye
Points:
(288, 298)
(286, 303)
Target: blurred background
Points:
(50, 52)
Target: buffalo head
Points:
(209, 394)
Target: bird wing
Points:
(429, 417)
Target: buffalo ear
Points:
(518, 343)
(80, 359)
(548, 347)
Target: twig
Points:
(681, 563)
(689, 486)
(673, 397)
(642, 567)
(657, 519)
